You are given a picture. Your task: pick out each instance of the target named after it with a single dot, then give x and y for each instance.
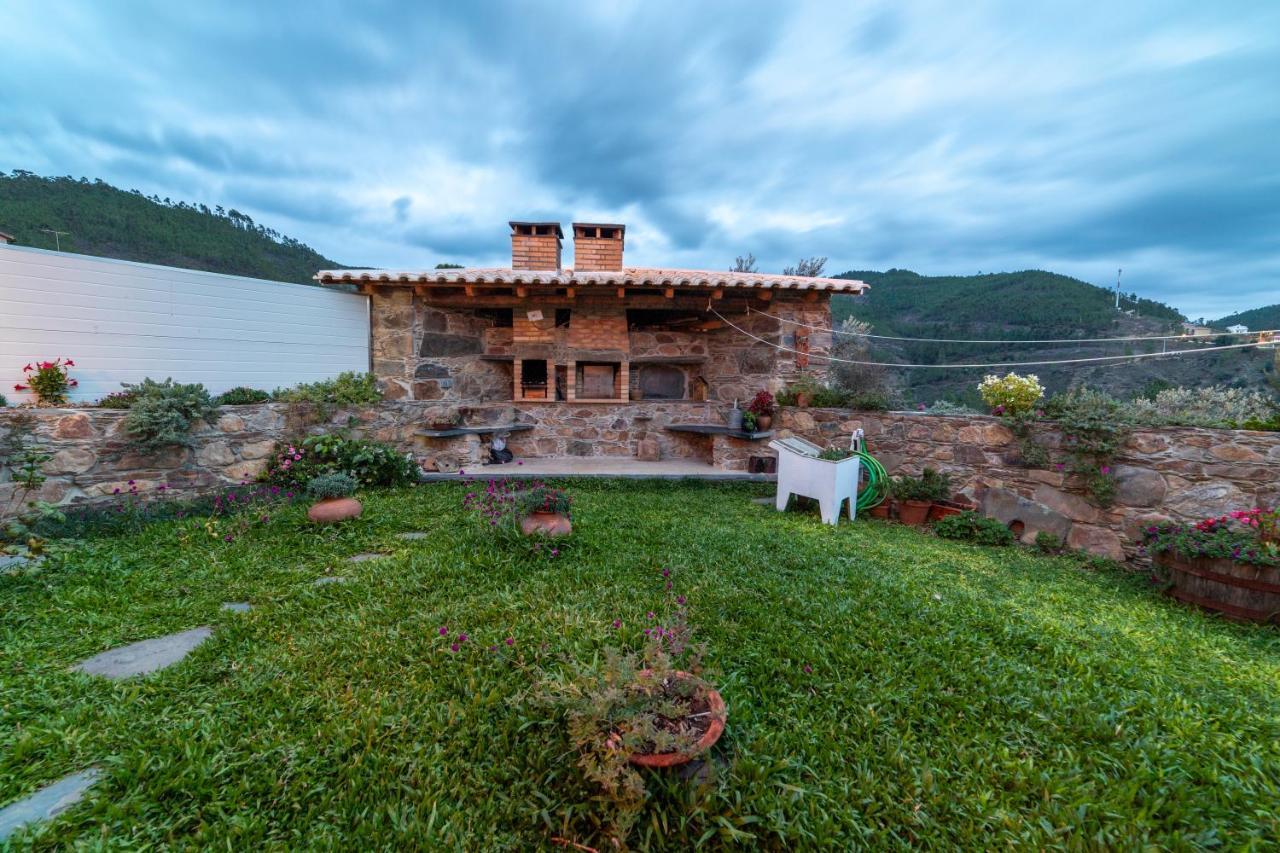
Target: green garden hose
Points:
(875, 488)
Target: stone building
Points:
(545, 339)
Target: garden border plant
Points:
(163, 413)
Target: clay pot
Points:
(334, 509)
(913, 512)
(670, 759)
(942, 509)
(803, 399)
(764, 422)
(546, 523)
(880, 510)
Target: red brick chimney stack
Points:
(536, 245)
(598, 246)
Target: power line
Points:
(1010, 340)
(1113, 359)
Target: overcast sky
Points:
(941, 137)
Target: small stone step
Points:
(145, 656)
(49, 802)
(360, 558)
(237, 606)
(328, 579)
(412, 536)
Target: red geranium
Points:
(49, 381)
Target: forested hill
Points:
(113, 223)
(1021, 306)
(1030, 304)
(1257, 319)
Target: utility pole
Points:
(57, 237)
(1118, 287)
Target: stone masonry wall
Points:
(1182, 474)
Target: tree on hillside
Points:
(807, 267)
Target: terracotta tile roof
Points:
(628, 276)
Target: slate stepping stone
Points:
(328, 579)
(237, 606)
(50, 801)
(412, 537)
(146, 656)
(13, 562)
(764, 501)
(361, 558)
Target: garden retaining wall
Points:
(1172, 473)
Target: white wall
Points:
(122, 321)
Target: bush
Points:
(1047, 543)
(49, 381)
(119, 399)
(1011, 394)
(931, 486)
(372, 463)
(241, 396)
(971, 527)
(545, 499)
(1206, 407)
(163, 413)
(328, 486)
(3, 401)
(946, 408)
(345, 389)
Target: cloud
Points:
(985, 136)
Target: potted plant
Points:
(1229, 564)
(48, 381)
(914, 497)
(749, 421)
(763, 406)
(332, 493)
(545, 510)
(803, 389)
(638, 709)
(940, 496)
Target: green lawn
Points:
(958, 696)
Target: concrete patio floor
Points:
(576, 466)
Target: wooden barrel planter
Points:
(1240, 591)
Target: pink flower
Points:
(444, 631)
(453, 647)
(19, 387)
(511, 641)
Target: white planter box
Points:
(830, 483)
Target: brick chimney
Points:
(597, 246)
(535, 245)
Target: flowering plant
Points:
(762, 404)
(49, 381)
(1011, 394)
(542, 498)
(1247, 536)
(501, 504)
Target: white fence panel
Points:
(122, 321)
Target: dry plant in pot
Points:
(333, 498)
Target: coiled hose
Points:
(875, 488)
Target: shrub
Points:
(241, 396)
(1047, 543)
(49, 381)
(163, 413)
(835, 454)
(3, 401)
(937, 486)
(946, 408)
(1206, 407)
(328, 486)
(1011, 394)
(372, 463)
(1094, 427)
(345, 389)
(1247, 536)
(119, 399)
(971, 527)
(542, 498)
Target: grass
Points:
(959, 696)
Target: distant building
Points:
(1238, 329)
(1196, 330)
(6, 239)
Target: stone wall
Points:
(1182, 474)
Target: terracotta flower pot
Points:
(764, 422)
(334, 509)
(880, 510)
(804, 398)
(913, 512)
(547, 523)
(718, 717)
(942, 509)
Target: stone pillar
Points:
(391, 325)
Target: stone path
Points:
(328, 579)
(13, 562)
(237, 606)
(50, 801)
(361, 558)
(145, 656)
(412, 536)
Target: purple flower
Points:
(649, 615)
(680, 599)
(162, 487)
(511, 641)
(444, 631)
(1106, 469)
(116, 492)
(462, 638)
(555, 552)
(461, 472)
(666, 573)
(808, 670)
(493, 648)
(520, 462)
(453, 647)
(617, 623)
(131, 482)
(229, 538)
